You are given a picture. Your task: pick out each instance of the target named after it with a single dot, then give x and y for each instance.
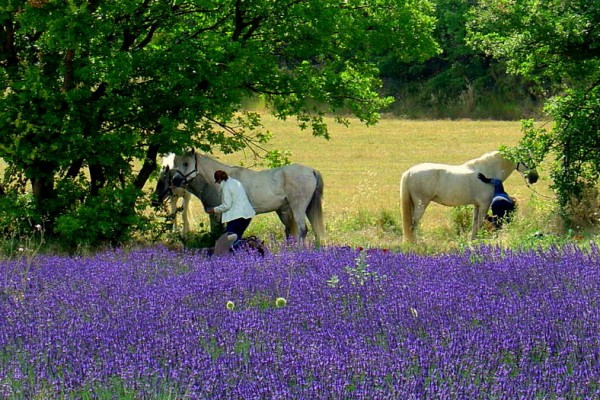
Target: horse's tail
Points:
(407, 207)
(314, 212)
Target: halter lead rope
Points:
(538, 193)
(528, 184)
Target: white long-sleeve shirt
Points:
(234, 201)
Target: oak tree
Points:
(93, 91)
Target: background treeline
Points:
(460, 81)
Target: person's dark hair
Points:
(221, 176)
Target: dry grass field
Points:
(361, 168)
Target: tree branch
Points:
(69, 78)
(8, 44)
(254, 89)
(151, 30)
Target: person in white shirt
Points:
(235, 208)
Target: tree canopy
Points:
(556, 43)
(92, 92)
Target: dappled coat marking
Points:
(164, 189)
(293, 191)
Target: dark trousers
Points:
(238, 226)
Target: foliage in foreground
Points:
(352, 324)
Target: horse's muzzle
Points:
(179, 180)
(532, 176)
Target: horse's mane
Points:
(168, 160)
(484, 159)
(221, 164)
(493, 163)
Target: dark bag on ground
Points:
(252, 243)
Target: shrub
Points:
(462, 218)
(109, 218)
(584, 212)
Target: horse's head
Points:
(528, 172)
(163, 188)
(185, 168)
(508, 160)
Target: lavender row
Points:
(354, 324)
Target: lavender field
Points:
(349, 324)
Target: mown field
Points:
(361, 167)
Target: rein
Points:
(538, 193)
(528, 184)
(519, 163)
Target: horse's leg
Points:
(185, 213)
(475, 226)
(285, 215)
(174, 213)
(299, 195)
(479, 213)
(419, 209)
(298, 218)
(301, 225)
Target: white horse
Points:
(454, 185)
(164, 190)
(293, 191)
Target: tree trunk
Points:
(148, 167)
(97, 179)
(42, 180)
(42, 187)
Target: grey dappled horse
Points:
(293, 191)
(454, 185)
(164, 189)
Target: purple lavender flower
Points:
(152, 323)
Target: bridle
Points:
(519, 163)
(180, 179)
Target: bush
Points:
(387, 221)
(584, 212)
(17, 214)
(462, 218)
(109, 218)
